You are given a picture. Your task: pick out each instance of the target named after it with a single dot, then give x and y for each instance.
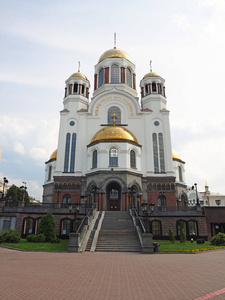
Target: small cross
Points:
(78, 66)
(114, 117)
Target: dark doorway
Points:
(113, 196)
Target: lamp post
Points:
(218, 202)
(144, 208)
(76, 212)
(194, 187)
(5, 181)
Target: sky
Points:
(42, 42)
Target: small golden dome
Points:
(114, 53)
(54, 155)
(175, 155)
(114, 133)
(78, 74)
(151, 74)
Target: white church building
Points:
(115, 149)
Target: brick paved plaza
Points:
(111, 276)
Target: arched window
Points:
(154, 87)
(115, 74)
(162, 200)
(114, 112)
(132, 159)
(101, 77)
(75, 88)
(129, 77)
(161, 153)
(192, 228)
(50, 173)
(113, 157)
(156, 228)
(67, 150)
(180, 173)
(66, 226)
(155, 152)
(28, 226)
(94, 159)
(73, 153)
(66, 199)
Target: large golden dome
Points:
(78, 74)
(114, 53)
(114, 133)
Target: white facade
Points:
(147, 120)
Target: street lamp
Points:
(195, 187)
(144, 208)
(5, 181)
(76, 212)
(218, 202)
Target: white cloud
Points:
(19, 148)
(181, 21)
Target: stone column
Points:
(74, 242)
(147, 243)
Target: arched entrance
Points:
(113, 196)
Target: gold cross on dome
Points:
(114, 116)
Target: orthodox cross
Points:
(150, 66)
(78, 66)
(114, 117)
(114, 40)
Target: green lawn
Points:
(167, 246)
(24, 245)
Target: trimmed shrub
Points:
(38, 238)
(55, 240)
(200, 241)
(171, 236)
(29, 238)
(218, 239)
(47, 227)
(10, 236)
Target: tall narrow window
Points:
(113, 157)
(114, 112)
(50, 173)
(156, 228)
(73, 153)
(154, 87)
(180, 174)
(115, 74)
(128, 77)
(161, 153)
(132, 159)
(94, 159)
(82, 89)
(101, 78)
(75, 88)
(67, 151)
(146, 89)
(155, 152)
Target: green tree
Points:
(47, 227)
(171, 235)
(15, 194)
(182, 233)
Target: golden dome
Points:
(175, 155)
(78, 74)
(114, 133)
(54, 155)
(114, 53)
(151, 74)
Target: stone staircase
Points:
(117, 233)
